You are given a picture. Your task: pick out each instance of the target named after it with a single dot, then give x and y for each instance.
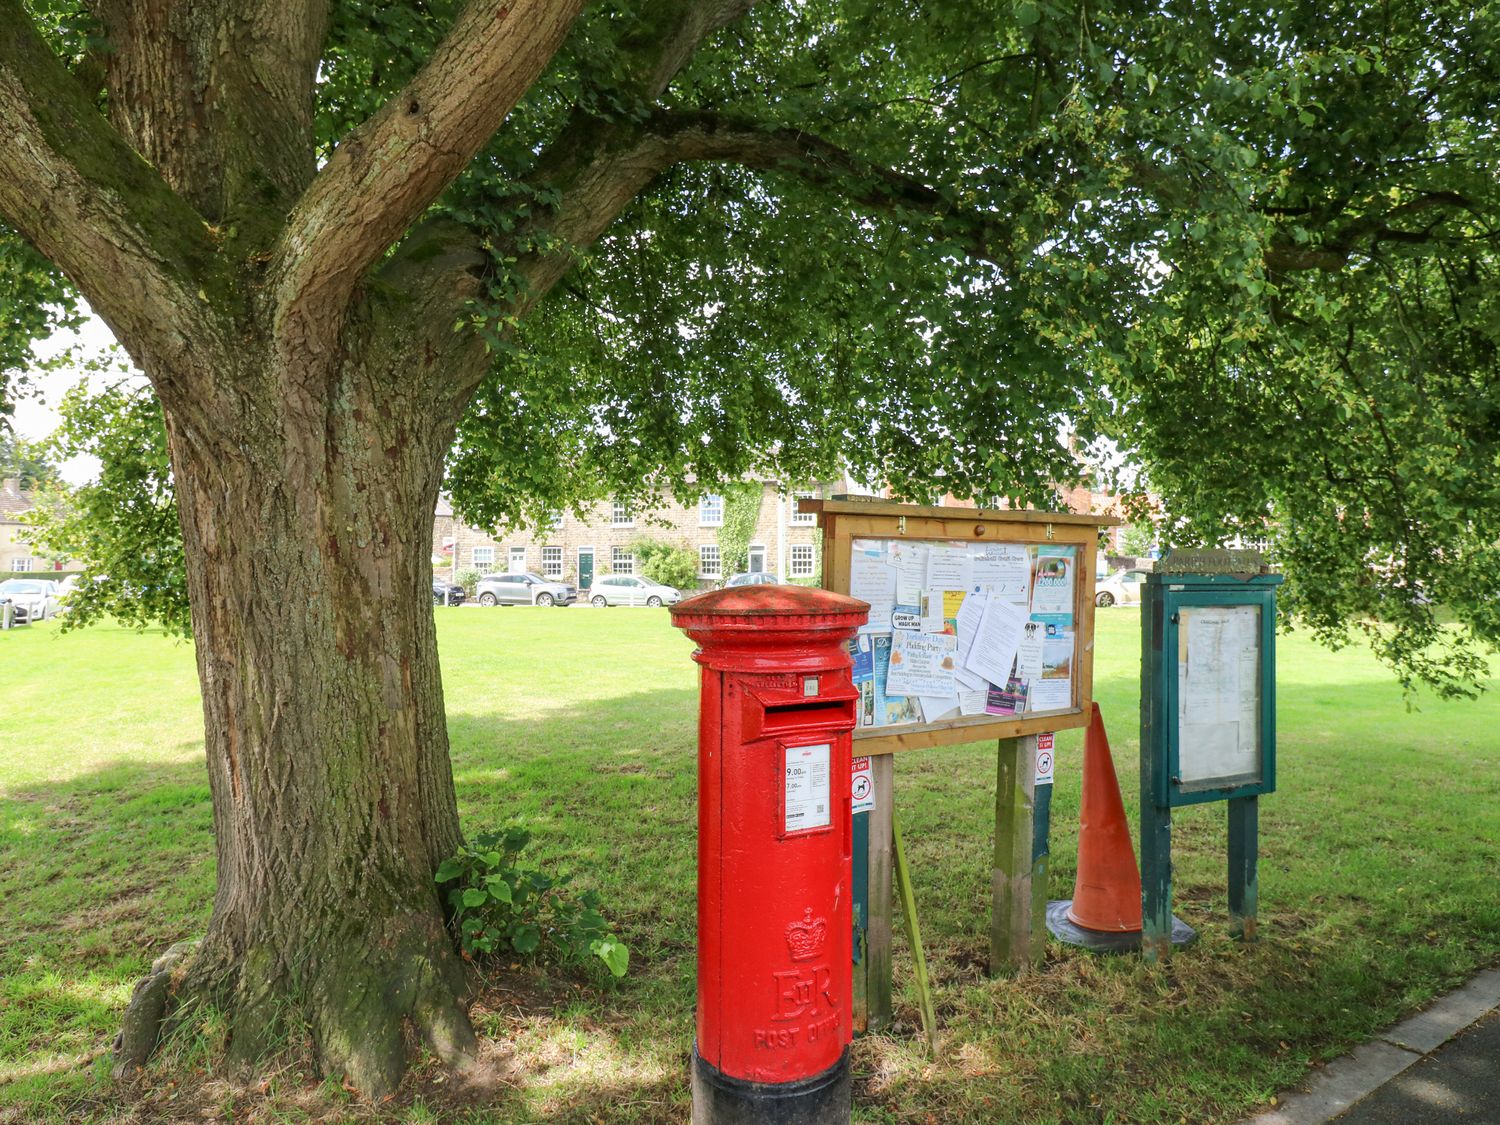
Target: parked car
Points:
(447, 593)
(754, 578)
(523, 589)
(37, 595)
(1121, 588)
(17, 613)
(627, 589)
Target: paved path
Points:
(1460, 1081)
(1441, 1065)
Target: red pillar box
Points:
(774, 923)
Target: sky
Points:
(36, 413)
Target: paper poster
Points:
(807, 800)
(1008, 700)
(970, 612)
(873, 580)
(1052, 588)
(1218, 693)
(862, 655)
(901, 709)
(910, 561)
(923, 664)
(972, 702)
(948, 568)
(861, 785)
(1002, 569)
(996, 641)
(938, 707)
(1051, 695)
(906, 617)
(1029, 655)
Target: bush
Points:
(468, 579)
(664, 563)
(497, 904)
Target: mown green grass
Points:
(1377, 889)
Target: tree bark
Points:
(306, 513)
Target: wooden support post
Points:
(1014, 943)
(881, 896)
(1244, 848)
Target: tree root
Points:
(140, 1027)
(359, 999)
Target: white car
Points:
(38, 595)
(627, 589)
(1121, 588)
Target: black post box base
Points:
(823, 1099)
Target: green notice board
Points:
(1209, 699)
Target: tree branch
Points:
(72, 186)
(388, 171)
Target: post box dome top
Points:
(770, 607)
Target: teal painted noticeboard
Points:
(1208, 703)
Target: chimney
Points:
(11, 487)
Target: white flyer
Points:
(1002, 569)
(806, 796)
(938, 707)
(973, 702)
(1029, 655)
(872, 579)
(948, 568)
(969, 616)
(997, 640)
(922, 664)
(910, 561)
(861, 785)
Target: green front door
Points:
(585, 569)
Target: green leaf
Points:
(448, 869)
(474, 896)
(614, 954)
(525, 938)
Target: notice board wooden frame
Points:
(844, 519)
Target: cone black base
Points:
(823, 1099)
(1064, 929)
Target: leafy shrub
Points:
(664, 563)
(497, 904)
(468, 579)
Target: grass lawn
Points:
(1377, 891)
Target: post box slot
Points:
(797, 714)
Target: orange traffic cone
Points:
(1107, 895)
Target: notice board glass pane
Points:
(1218, 695)
(960, 630)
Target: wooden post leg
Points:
(1011, 923)
(881, 896)
(1244, 848)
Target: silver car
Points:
(754, 578)
(523, 589)
(627, 589)
(37, 595)
(1121, 588)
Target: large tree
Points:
(655, 242)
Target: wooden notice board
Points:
(982, 622)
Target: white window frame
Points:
(620, 515)
(621, 561)
(555, 520)
(23, 564)
(711, 511)
(803, 569)
(482, 558)
(704, 570)
(552, 569)
(802, 519)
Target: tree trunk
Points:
(306, 501)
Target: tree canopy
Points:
(1255, 247)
